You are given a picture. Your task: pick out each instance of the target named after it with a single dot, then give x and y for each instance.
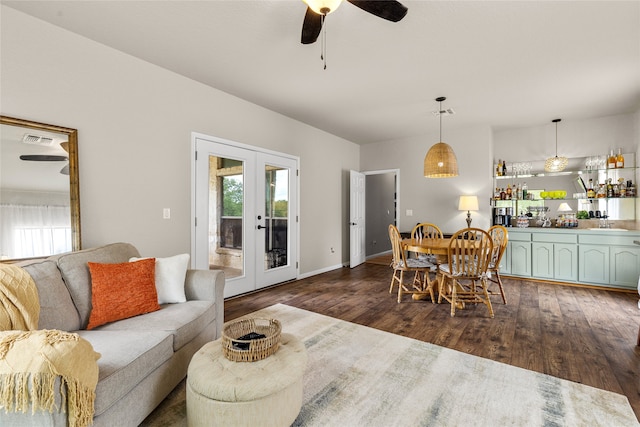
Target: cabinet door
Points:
(624, 266)
(542, 260)
(505, 262)
(521, 258)
(593, 262)
(565, 262)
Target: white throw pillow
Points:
(170, 276)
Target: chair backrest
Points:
(426, 230)
(469, 252)
(396, 247)
(500, 237)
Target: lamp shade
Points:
(564, 207)
(468, 203)
(440, 162)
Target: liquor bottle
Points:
(609, 188)
(504, 168)
(496, 195)
(611, 161)
(591, 193)
(525, 191)
(503, 194)
(619, 159)
(518, 192)
(631, 189)
(509, 192)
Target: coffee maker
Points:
(502, 216)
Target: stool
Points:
(267, 392)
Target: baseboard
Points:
(322, 270)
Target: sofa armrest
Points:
(207, 285)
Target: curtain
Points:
(32, 231)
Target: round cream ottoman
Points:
(265, 393)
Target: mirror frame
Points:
(74, 183)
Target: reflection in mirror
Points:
(39, 191)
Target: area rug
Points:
(359, 376)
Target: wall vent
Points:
(32, 139)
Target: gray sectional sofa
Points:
(142, 358)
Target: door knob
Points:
(352, 223)
(260, 227)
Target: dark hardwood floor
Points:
(579, 334)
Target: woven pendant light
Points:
(556, 164)
(440, 161)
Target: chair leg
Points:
(486, 297)
(454, 297)
(499, 282)
(400, 286)
(428, 285)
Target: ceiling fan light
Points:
(440, 162)
(323, 7)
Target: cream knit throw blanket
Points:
(31, 360)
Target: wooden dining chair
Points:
(427, 230)
(463, 279)
(500, 237)
(401, 264)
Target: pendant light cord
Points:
(440, 114)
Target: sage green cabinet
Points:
(542, 260)
(624, 265)
(596, 257)
(593, 264)
(521, 258)
(554, 256)
(565, 262)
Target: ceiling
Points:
(505, 64)
(26, 175)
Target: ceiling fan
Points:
(317, 10)
(47, 157)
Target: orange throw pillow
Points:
(119, 291)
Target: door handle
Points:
(260, 227)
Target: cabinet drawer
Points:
(555, 237)
(593, 239)
(519, 237)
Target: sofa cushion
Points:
(56, 307)
(75, 272)
(184, 321)
(127, 358)
(119, 291)
(170, 276)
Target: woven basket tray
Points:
(237, 349)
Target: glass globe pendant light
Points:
(556, 164)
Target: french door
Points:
(245, 203)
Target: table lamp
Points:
(468, 203)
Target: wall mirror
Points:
(39, 189)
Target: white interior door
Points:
(245, 214)
(357, 243)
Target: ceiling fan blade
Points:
(65, 146)
(43, 158)
(65, 170)
(311, 27)
(390, 10)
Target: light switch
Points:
(166, 213)
(409, 212)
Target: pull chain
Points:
(323, 44)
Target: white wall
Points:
(134, 124)
(436, 200)
(576, 138)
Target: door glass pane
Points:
(276, 216)
(226, 212)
